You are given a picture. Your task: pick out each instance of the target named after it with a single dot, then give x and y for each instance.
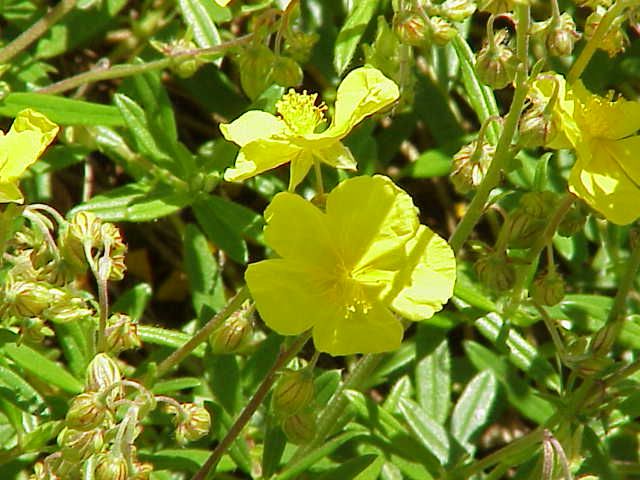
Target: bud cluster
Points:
(292, 403)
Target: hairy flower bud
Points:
(441, 31)
(548, 289)
(411, 27)
(530, 218)
(255, 65)
(300, 428)
(102, 372)
(232, 334)
(496, 64)
(615, 40)
(495, 271)
(456, 10)
(573, 221)
(142, 471)
(496, 6)
(27, 299)
(121, 333)
(536, 128)
(192, 423)
(286, 72)
(562, 36)
(470, 165)
(67, 308)
(77, 445)
(87, 411)
(293, 392)
(299, 45)
(111, 467)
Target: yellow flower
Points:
(606, 174)
(268, 141)
(29, 135)
(344, 272)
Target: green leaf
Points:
(167, 338)
(225, 376)
(226, 223)
(184, 459)
(175, 385)
(326, 385)
(426, 430)
(61, 110)
(432, 163)
(74, 338)
(41, 367)
(351, 33)
(18, 391)
(39, 437)
(134, 301)
(197, 16)
(433, 382)
(349, 469)
(274, 444)
(473, 409)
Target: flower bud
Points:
(524, 228)
(87, 411)
(293, 392)
(255, 66)
(27, 299)
(286, 72)
(111, 467)
(548, 289)
(84, 227)
(457, 10)
(300, 428)
(496, 6)
(411, 28)
(232, 334)
(121, 333)
(77, 446)
(536, 128)
(495, 271)
(299, 45)
(562, 36)
(615, 40)
(142, 471)
(102, 372)
(192, 423)
(33, 329)
(496, 65)
(573, 222)
(67, 308)
(470, 166)
(112, 239)
(441, 32)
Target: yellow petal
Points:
(338, 156)
(603, 118)
(260, 156)
(371, 220)
(563, 110)
(298, 231)
(299, 168)
(431, 277)
(363, 92)
(9, 192)
(626, 152)
(252, 125)
(598, 179)
(30, 134)
(373, 331)
(285, 296)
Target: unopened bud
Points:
(524, 228)
(27, 299)
(232, 334)
(121, 333)
(573, 221)
(300, 428)
(67, 308)
(255, 66)
(548, 289)
(496, 65)
(85, 228)
(286, 72)
(299, 45)
(615, 39)
(77, 445)
(496, 6)
(293, 392)
(142, 471)
(111, 467)
(112, 240)
(411, 28)
(470, 165)
(562, 36)
(457, 10)
(441, 32)
(102, 372)
(192, 423)
(536, 128)
(496, 271)
(87, 411)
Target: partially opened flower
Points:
(29, 135)
(346, 272)
(603, 133)
(267, 141)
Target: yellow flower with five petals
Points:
(603, 133)
(347, 271)
(29, 135)
(267, 141)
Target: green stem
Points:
(248, 411)
(35, 31)
(592, 45)
(127, 70)
(330, 415)
(203, 334)
(503, 153)
(318, 172)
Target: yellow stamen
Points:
(299, 111)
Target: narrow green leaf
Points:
(184, 459)
(175, 385)
(76, 346)
(275, 442)
(134, 301)
(326, 385)
(202, 272)
(432, 163)
(426, 430)
(401, 389)
(351, 33)
(41, 367)
(61, 110)
(433, 382)
(225, 376)
(19, 392)
(349, 469)
(167, 338)
(473, 409)
(197, 17)
(39, 437)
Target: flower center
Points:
(299, 111)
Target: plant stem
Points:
(590, 48)
(503, 152)
(35, 31)
(331, 413)
(201, 335)
(127, 70)
(283, 358)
